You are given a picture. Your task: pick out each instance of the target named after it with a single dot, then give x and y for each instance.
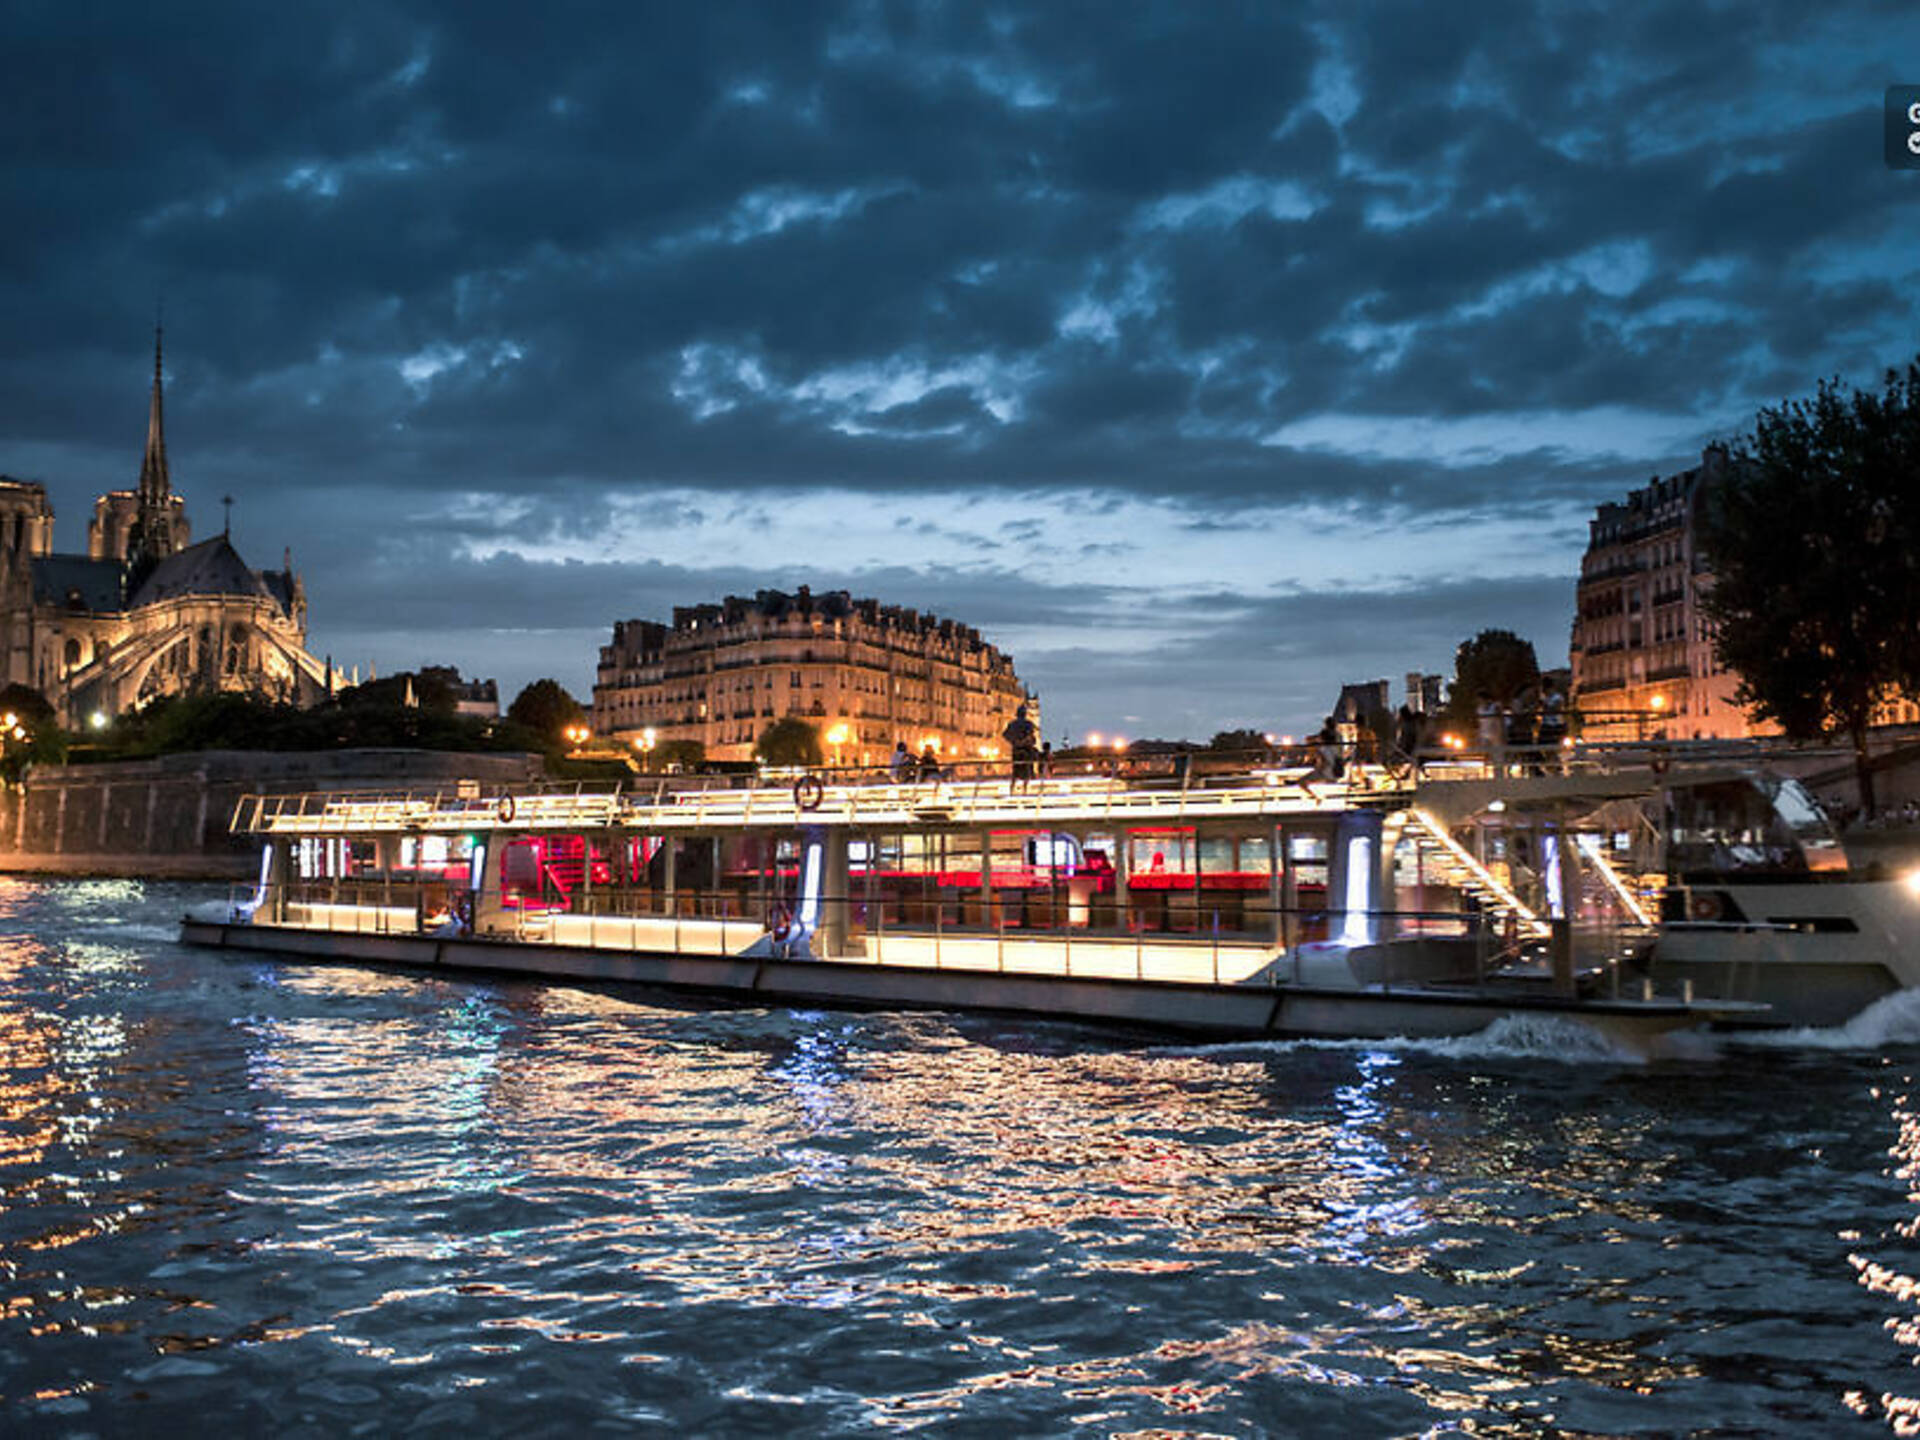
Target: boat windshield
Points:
(1749, 825)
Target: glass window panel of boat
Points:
(1733, 827)
(1009, 850)
(920, 854)
(1807, 823)
(1155, 852)
(1054, 854)
(1217, 855)
(1256, 853)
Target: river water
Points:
(241, 1196)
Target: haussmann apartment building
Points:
(863, 674)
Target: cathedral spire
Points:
(151, 538)
(154, 484)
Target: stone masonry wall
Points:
(168, 817)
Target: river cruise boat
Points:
(1267, 901)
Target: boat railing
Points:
(664, 806)
(1187, 940)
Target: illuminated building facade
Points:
(1642, 650)
(144, 613)
(863, 674)
(1643, 661)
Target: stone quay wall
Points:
(167, 818)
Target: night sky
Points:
(1204, 357)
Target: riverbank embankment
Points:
(167, 818)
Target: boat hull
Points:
(1815, 954)
(1225, 1010)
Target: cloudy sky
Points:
(1203, 356)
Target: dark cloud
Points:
(446, 281)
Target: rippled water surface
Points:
(241, 1196)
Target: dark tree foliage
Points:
(678, 755)
(430, 692)
(42, 740)
(1498, 662)
(232, 721)
(1239, 742)
(789, 741)
(545, 708)
(1813, 538)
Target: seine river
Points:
(247, 1197)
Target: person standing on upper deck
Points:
(1492, 725)
(1023, 740)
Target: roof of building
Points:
(77, 580)
(213, 567)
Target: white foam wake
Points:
(1891, 1020)
(1512, 1037)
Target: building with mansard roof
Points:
(146, 612)
(863, 674)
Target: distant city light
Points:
(98, 720)
(1093, 740)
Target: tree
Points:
(1496, 661)
(1813, 539)
(679, 755)
(1239, 742)
(545, 709)
(40, 739)
(789, 741)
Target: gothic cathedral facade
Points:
(145, 612)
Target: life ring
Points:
(1703, 907)
(779, 923)
(505, 810)
(808, 792)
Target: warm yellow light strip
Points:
(1535, 925)
(1614, 882)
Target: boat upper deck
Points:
(689, 805)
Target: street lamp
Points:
(837, 737)
(1656, 708)
(643, 742)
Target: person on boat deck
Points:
(900, 767)
(1492, 727)
(1553, 723)
(1406, 735)
(929, 764)
(1331, 763)
(1020, 737)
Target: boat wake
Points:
(1890, 1021)
(1512, 1037)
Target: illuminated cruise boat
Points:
(1260, 902)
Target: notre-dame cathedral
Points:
(144, 613)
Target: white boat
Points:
(1264, 902)
(1749, 888)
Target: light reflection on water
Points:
(312, 1199)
